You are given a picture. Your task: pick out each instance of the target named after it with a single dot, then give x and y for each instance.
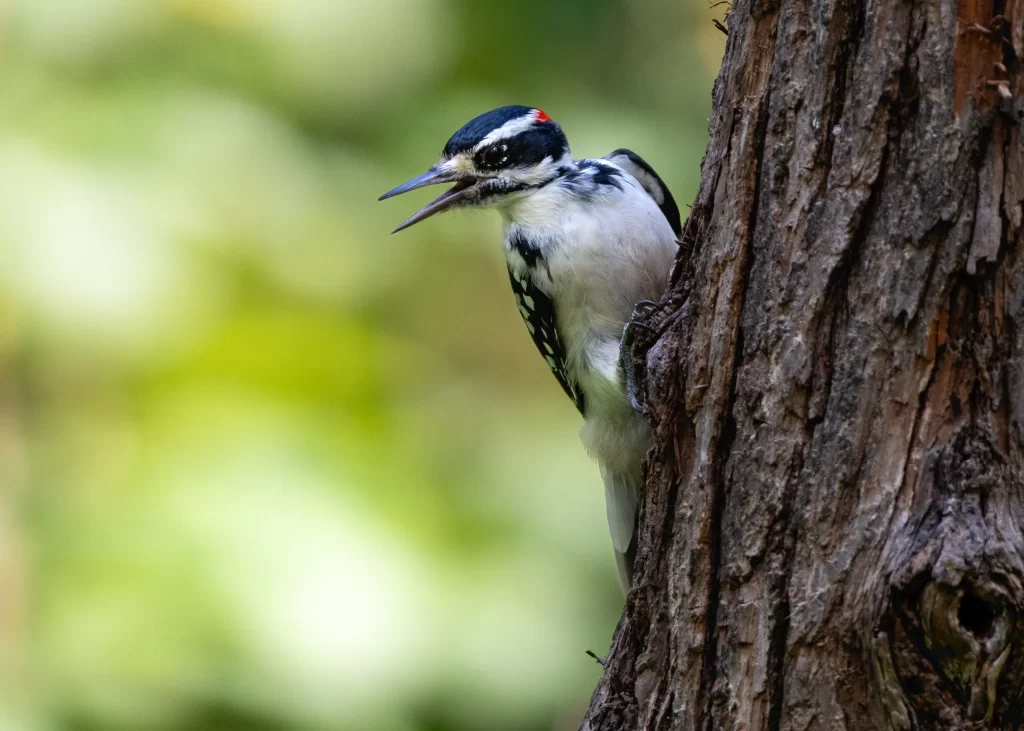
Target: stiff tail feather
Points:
(620, 492)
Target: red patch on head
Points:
(542, 116)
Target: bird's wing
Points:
(538, 313)
(649, 180)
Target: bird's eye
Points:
(493, 157)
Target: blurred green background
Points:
(262, 465)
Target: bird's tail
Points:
(620, 492)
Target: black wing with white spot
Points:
(649, 180)
(538, 313)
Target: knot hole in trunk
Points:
(952, 636)
(977, 616)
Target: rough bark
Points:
(831, 536)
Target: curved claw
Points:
(627, 365)
(645, 308)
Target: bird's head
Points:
(491, 160)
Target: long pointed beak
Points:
(435, 176)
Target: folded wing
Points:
(651, 182)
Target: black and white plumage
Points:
(538, 312)
(585, 241)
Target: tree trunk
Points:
(831, 536)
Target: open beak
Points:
(435, 176)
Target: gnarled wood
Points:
(831, 536)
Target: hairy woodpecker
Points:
(585, 242)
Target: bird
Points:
(586, 241)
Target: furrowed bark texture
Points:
(831, 536)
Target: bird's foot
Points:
(646, 308)
(627, 364)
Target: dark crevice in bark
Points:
(1005, 225)
(906, 104)
(1009, 54)
(836, 291)
(834, 296)
(933, 240)
(922, 404)
(667, 536)
(784, 546)
(820, 385)
(709, 661)
(848, 48)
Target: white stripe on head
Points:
(510, 129)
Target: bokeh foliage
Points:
(263, 466)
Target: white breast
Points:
(601, 256)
